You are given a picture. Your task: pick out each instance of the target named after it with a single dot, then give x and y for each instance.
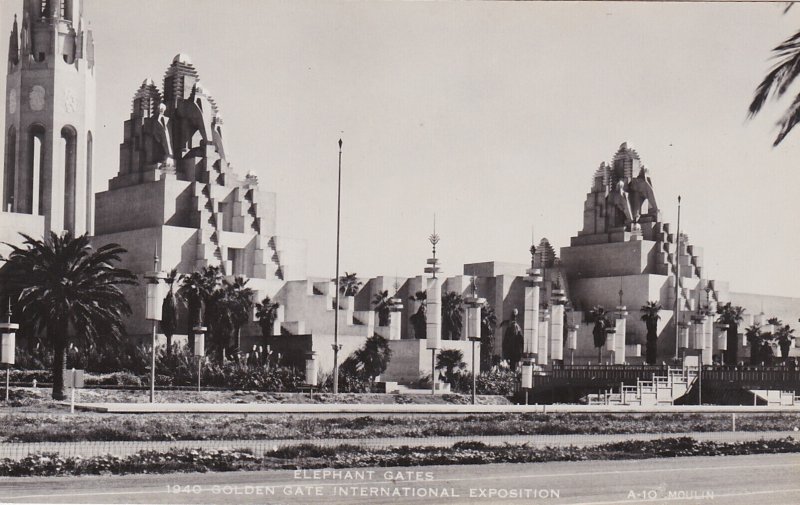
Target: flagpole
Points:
(336, 311)
(678, 281)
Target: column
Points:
(544, 325)
(433, 326)
(557, 325)
(619, 338)
(530, 322)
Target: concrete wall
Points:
(411, 360)
(608, 260)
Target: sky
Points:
(492, 116)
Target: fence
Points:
(17, 451)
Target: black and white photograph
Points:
(393, 252)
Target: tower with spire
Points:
(50, 116)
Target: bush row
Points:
(351, 456)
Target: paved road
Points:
(261, 447)
(733, 480)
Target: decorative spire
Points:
(13, 44)
(433, 263)
(434, 237)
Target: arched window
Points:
(10, 169)
(66, 10)
(31, 197)
(89, 192)
(69, 142)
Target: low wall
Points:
(411, 359)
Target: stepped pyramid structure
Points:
(626, 255)
(176, 194)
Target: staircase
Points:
(774, 397)
(661, 390)
(209, 250)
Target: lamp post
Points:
(474, 304)
(8, 346)
(336, 346)
(153, 313)
(678, 279)
(311, 371)
(433, 301)
(199, 350)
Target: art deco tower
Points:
(50, 111)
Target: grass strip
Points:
(350, 456)
(20, 428)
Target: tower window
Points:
(69, 137)
(10, 170)
(66, 9)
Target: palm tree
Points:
(70, 291)
(513, 341)
(370, 360)
(452, 311)
(760, 344)
(599, 317)
(349, 284)
(169, 313)
(782, 335)
(419, 319)
(732, 315)
(488, 325)
(449, 360)
(778, 81)
(197, 288)
(266, 314)
(228, 311)
(383, 306)
(650, 317)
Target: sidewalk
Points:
(395, 408)
(261, 447)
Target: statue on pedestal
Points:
(158, 144)
(640, 190)
(618, 210)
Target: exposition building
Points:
(178, 196)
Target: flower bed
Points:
(349, 456)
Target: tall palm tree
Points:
(599, 317)
(70, 291)
(488, 326)
(266, 314)
(419, 319)
(349, 284)
(169, 312)
(452, 311)
(732, 315)
(383, 306)
(778, 81)
(650, 317)
(228, 311)
(196, 289)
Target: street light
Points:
(199, 349)
(311, 371)
(8, 345)
(474, 304)
(155, 297)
